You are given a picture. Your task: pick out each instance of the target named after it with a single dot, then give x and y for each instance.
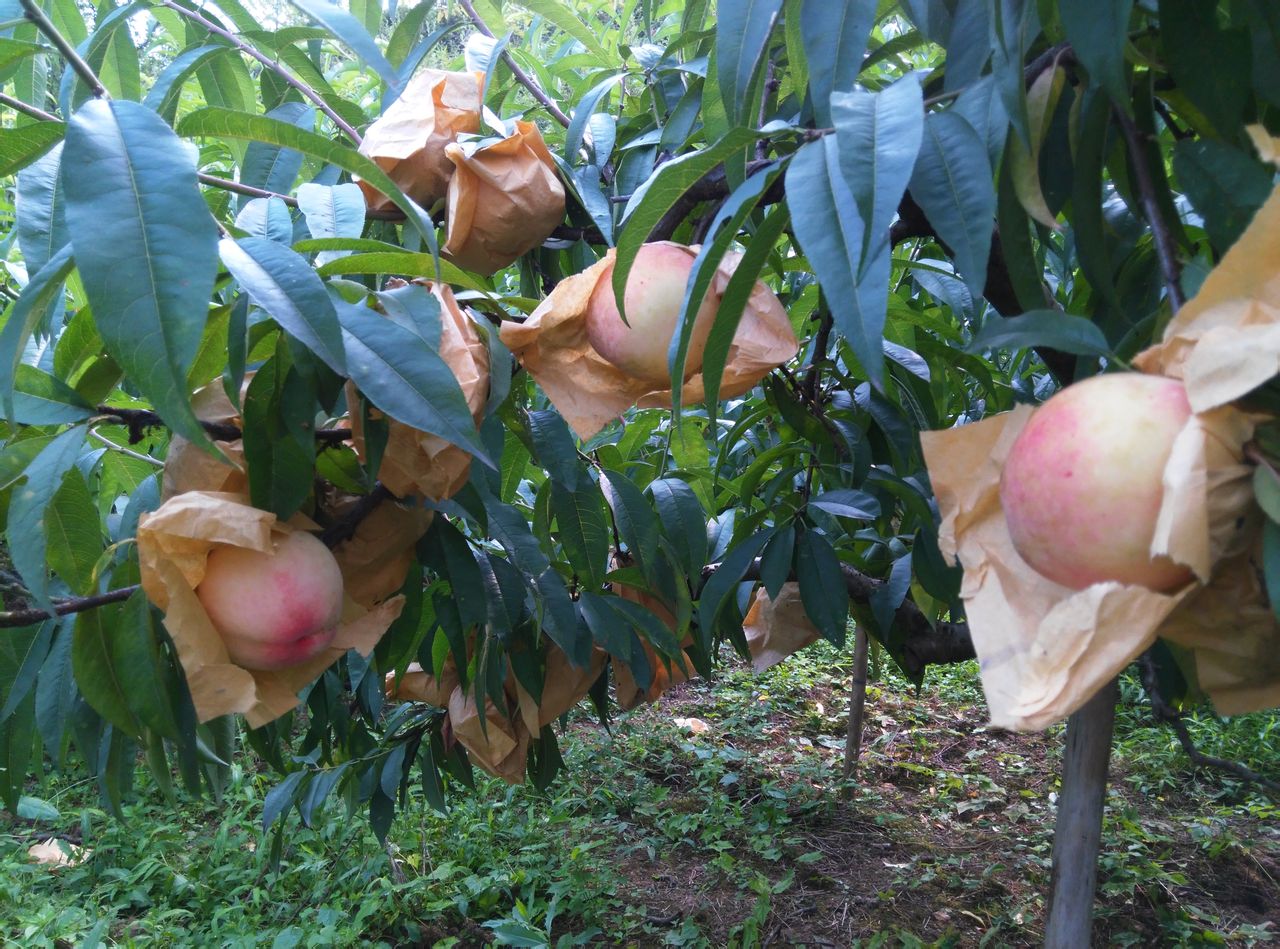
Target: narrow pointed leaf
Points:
(283, 283)
(149, 281)
(742, 30)
(835, 39)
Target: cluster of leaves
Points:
(951, 197)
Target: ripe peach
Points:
(1082, 485)
(655, 291)
(274, 610)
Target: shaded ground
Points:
(947, 837)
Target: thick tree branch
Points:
(521, 76)
(266, 61)
(75, 604)
(1170, 716)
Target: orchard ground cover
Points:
(662, 833)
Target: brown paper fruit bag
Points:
(415, 463)
(408, 142)
(174, 543)
(188, 467)
(500, 746)
(419, 685)
(504, 200)
(564, 685)
(776, 629)
(376, 558)
(589, 391)
(665, 672)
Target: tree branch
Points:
(75, 604)
(137, 421)
(1166, 253)
(344, 528)
(266, 61)
(1168, 715)
(521, 76)
(82, 69)
(27, 109)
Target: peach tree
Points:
(959, 205)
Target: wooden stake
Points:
(1078, 831)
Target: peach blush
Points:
(654, 294)
(276, 610)
(1082, 486)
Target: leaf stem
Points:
(522, 77)
(266, 61)
(74, 60)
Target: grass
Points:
(659, 836)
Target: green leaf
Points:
(879, 134)
(742, 32)
(406, 379)
(582, 112)
(279, 447)
(23, 653)
(835, 39)
(445, 550)
(822, 587)
(268, 218)
(283, 283)
(41, 211)
(407, 32)
(74, 534)
(352, 32)
(719, 589)
(637, 524)
(1226, 185)
(166, 91)
(664, 188)
(1042, 101)
(21, 146)
(332, 211)
(1062, 331)
(270, 166)
(41, 399)
(25, 531)
(399, 262)
(555, 12)
(952, 184)
(1271, 563)
(554, 447)
(150, 277)
(1097, 31)
(724, 228)
(40, 293)
(830, 231)
(582, 530)
(847, 502)
(1210, 65)
(683, 521)
(215, 122)
(733, 302)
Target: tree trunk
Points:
(1078, 830)
(857, 701)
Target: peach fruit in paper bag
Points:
(1082, 487)
(408, 141)
(504, 200)
(250, 629)
(775, 629)
(415, 463)
(665, 672)
(572, 345)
